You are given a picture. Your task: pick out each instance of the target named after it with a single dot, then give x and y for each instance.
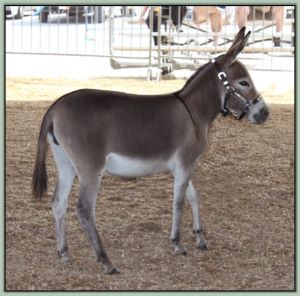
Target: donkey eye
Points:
(244, 83)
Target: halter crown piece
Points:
(232, 94)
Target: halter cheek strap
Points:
(228, 89)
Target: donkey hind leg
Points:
(181, 179)
(192, 197)
(86, 205)
(66, 174)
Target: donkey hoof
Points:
(111, 270)
(180, 250)
(202, 247)
(65, 257)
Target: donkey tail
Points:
(39, 178)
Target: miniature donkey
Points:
(96, 131)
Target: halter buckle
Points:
(222, 75)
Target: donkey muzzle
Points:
(259, 112)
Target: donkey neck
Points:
(203, 96)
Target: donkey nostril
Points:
(266, 113)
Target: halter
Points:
(234, 95)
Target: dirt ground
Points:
(246, 182)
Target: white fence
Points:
(119, 33)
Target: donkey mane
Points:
(198, 72)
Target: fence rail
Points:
(118, 32)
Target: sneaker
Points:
(276, 41)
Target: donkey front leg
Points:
(86, 214)
(181, 179)
(192, 197)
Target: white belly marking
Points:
(125, 166)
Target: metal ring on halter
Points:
(220, 74)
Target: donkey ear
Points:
(238, 37)
(237, 46)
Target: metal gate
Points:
(121, 34)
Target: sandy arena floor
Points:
(246, 182)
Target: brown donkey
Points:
(96, 131)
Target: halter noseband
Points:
(232, 94)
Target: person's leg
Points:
(242, 13)
(278, 15)
(154, 28)
(200, 14)
(203, 13)
(216, 25)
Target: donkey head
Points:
(242, 98)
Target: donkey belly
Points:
(125, 166)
